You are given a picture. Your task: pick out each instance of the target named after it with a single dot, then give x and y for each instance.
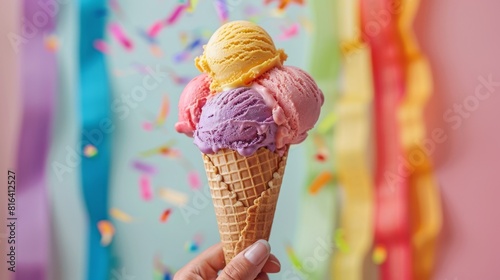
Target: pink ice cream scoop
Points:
(298, 102)
(193, 98)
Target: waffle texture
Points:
(244, 193)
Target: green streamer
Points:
(317, 215)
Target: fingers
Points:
(248, 264)
(272, 265)
(206, 265)
(262, 276)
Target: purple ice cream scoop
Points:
(238, 119)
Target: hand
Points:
(253, 263)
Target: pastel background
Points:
(459, 37)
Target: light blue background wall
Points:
(135, 244)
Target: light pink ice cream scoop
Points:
(298, 102)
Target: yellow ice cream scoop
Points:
(237, 53)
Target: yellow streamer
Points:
(353, 147)
(425, 205)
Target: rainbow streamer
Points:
(353, 147)
(392, 226)
(426, 217)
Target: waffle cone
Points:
(244, 193)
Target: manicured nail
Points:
(258, 252)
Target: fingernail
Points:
(277, 263)
(258, 252)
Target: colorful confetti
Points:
(306, 23)
(162, 272)
(51, 43)
(191, 246)
(145, 188)
(340, 241)
(171, 19)
(379, 255)
(101, 46)
(107, 231)
(222, 10)
(283, 4)
(144, 167)
(89, 151)
(322, 154)
(192, 5)
(194, 244)
(293, 257)
(156, 51)
(320, 181)
(327, 123)
(117, 32)
(165, 150)
(120, 215)
(164, 109)
(165, 215)
(173, 196)
(115, 6)
(147, 126)
(194, 180)
(289, 32)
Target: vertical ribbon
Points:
(318, 201)
(9, 111)
(392, 228)
(425, 203)
(38, 76)
(353, 146)
(95, 117)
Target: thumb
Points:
(247, 264)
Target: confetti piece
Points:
(293, 257)
(340, 241)
(176, 14)
(146, 37)
(155, 29)
(165, 215)
(172, 196)
(89, 151)
(306, 23)
(115, 6)
(117, 32)
(145, 188)
(183, 37)
(164, 272)
(191, 246)
(163, 150)
(379, 255)
(101, 46)
(143, 167)
(283, 4)
(156, 51)
(51, 43)
(147, 126)
(107, 231)
(327, 123)
(182, 56)
(322, 153)
(194, 180)
(164, 109)
(120, 215)
(320, 181)
(222, 10)
(289, 32)
(192, 6)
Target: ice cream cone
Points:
(244, 192)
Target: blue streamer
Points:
(96, 122)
